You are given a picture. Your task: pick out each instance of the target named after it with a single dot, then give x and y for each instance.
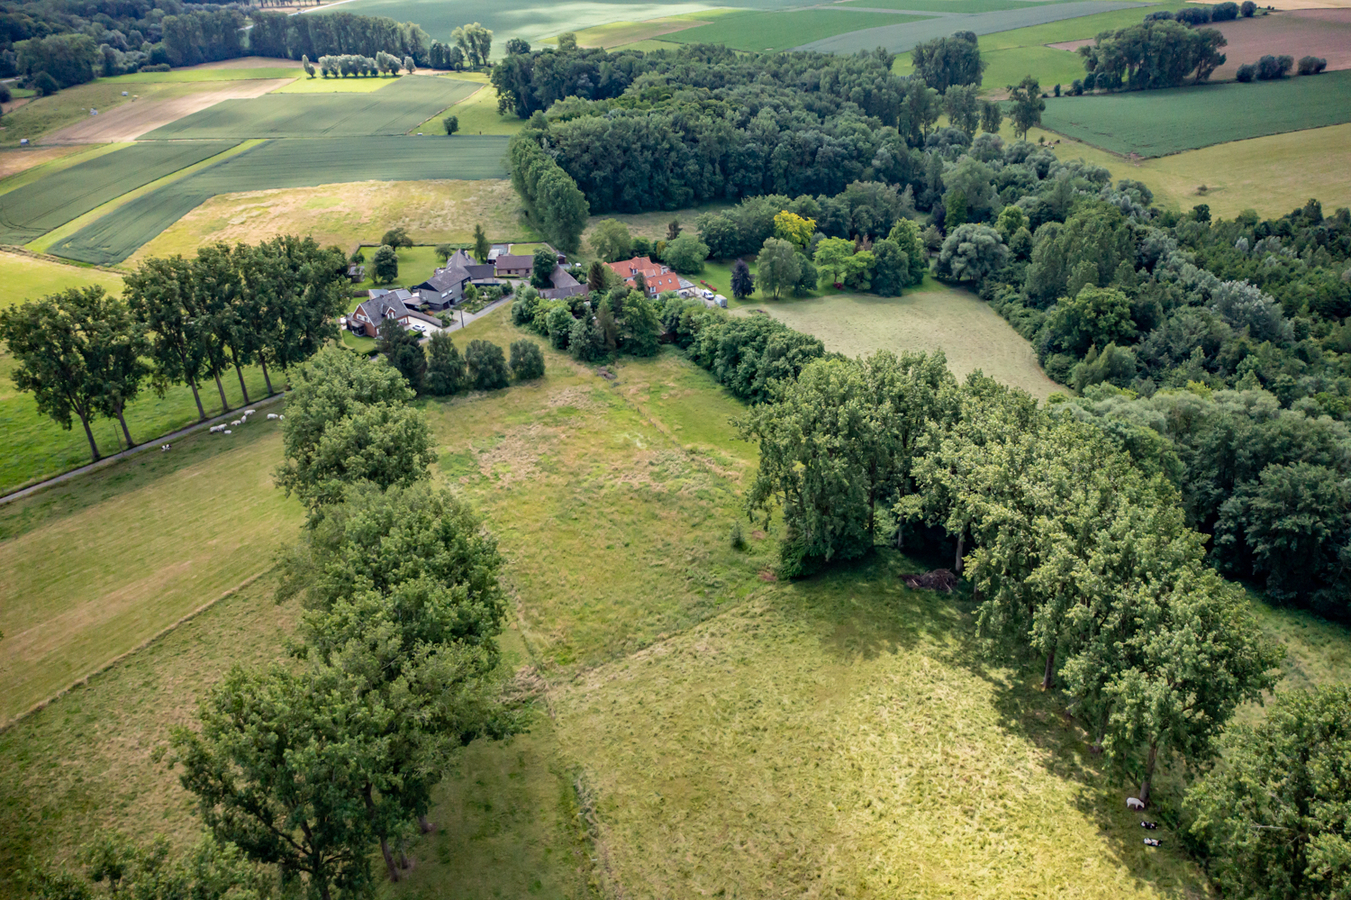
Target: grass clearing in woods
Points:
(720, 731)
(477, 114)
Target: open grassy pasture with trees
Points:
(396, 108)
(283, 164)
(1156, 123)
(709, 728)
(41, 206)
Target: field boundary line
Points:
(154, 638)
(19, 250)
(60, 233)
(145, 445)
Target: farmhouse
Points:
(510, 266)
(659, 278)
(564, 285)
(382, 304)
(446, 287)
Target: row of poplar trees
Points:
(1073, 552)
(85, 354)
(301, 770)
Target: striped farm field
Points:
(396, 108)
(781, 30)
(34, 209)
(902, 36)
(1157, 123)
(285, 164)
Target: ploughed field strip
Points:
(285, 164)
(35, 209)
(396, 108)
(899, 37)
(1157, 123)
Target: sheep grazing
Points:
(228, 431)
(216, 428)
(236, 423)
(280, 417)
(1134, 803)
(249, 412)
(272, 415)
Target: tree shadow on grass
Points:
(863, 609)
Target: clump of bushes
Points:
(1311, 65)
(1246, 73)
(1270, 68)
(1247, 9)
(1224, 12)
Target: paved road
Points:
(153, 444)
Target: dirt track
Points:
(131, 120)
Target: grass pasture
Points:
(477, 114)
(96, 566)
(784, 29)
(44, 114)
(901, 37)
(394, 109)
(349, 214)
(1157, 123)
(841, 735)
(284, 164)
(37, 208)
(964, 327)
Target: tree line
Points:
(551, 196)
(83, 353)
(438, 369)
(301, 770)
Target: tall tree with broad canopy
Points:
(1273, 817)
(949, 61)
(527, 362)
(79, 353)
(1027, 105)
(686, 254)
(777, 267)
(971, 253)
(445, 367)
(402, 349)
(485, 366)
(348, 419)
(159, 294)
(610, 240)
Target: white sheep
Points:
(249, 412)
(281, 417)
(236, 422)
(215, 428)
(272, 415)
(228, 431)
(1131, 802)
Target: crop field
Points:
(37, 208)
(321, 85)
(1314, 32)
(12, 162)
(285, 164)
(901, 37)
(622, 34)
(755, 30)
(534, 21)
(477, 114)
(947, 6)
(395, 109)
(725, 733)
(43, 115)
(934, 317)
(1156, 123)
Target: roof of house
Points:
(660, 284)
(564, 285)
(383, 304)
(626, 268)
(461, 258)
(446, 280)
(508, 261)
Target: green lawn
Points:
(782, 30)
(416, 264)
(1157, 123)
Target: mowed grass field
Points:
(349, 214)
(284, 164)
(39, 207)
(1156, 123)
(710, 732)
(933, 317)
(781, 30)
(477, 114)
(44, 114)
(397, 107)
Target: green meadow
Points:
(697, 727)
(782, 30)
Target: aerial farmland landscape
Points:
(871, 449)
